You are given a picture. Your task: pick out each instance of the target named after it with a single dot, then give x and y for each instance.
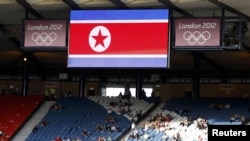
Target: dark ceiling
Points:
(12, 13)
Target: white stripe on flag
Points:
(120, 21)
(119, 56)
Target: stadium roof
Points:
(13, 12)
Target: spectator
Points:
(143, 94)
(52, 92)
(133, 126)
(139, 114)
(2, 133)
(134, 134)
(98, 128)
(227, 106)
(109, 110)
(120, 95)
(109, 138)
(232, 118)
(113, 128)
(85, 133)
(53, 106)
(44, 122)
(78, 139)
(108, 127)
(243, 120)
(118, 128)
(35, 128)
(199, 138)
(60, 107)
(66, 139)
(58, 138)
(101, 138)
(70, 94)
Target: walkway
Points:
(36, 118)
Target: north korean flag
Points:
(118, 38)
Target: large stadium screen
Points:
(45, 35)
(119, 38)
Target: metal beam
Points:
(30, 9)
(15, 41)
(120, 4)
(16, 60)
(37, 62)
(176, 8)
(212, 62)
(230, 9)
(72, 4)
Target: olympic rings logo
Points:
(196, 37)
(43, 38)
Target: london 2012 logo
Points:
(44, 38)
(202, 32)
(196, 37)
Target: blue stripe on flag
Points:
(118, 62)
(137, 14)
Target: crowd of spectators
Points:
(56, 107)
(170, 127)
(102, 138)
(58, 138)
(239, 117)
(110, 125)
(123, 105)
(219, 106)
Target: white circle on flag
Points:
(99, 38)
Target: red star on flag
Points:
(99, 39)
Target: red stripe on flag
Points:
(132, 38)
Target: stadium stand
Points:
(68, 117)
(188, 119)
(80, 118)
(15, 111)
(78, 114)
